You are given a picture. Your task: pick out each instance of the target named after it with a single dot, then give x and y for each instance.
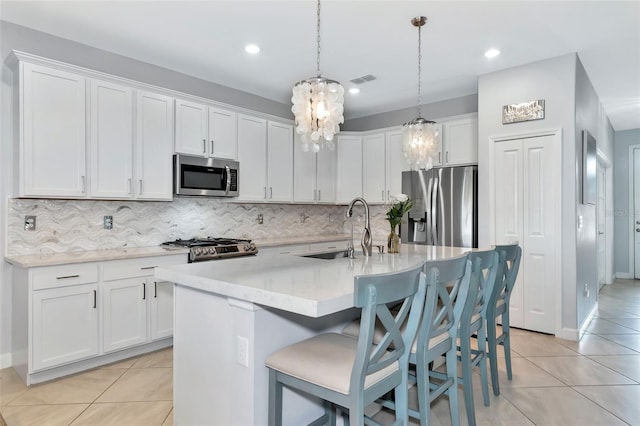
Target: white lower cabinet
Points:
(68, 318)
(160, 309)
(124, 314)
(65, 325)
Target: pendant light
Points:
(318, 107)
(420, 136)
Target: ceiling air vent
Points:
(363, 79)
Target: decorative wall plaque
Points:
(525, 111)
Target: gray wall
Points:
(433, 111)
(621, 211)
(554, 81)
(587, 110)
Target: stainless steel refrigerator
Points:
(445, 207)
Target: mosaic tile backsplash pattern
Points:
(72, 225)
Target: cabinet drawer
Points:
(139, 267)
(64, 275)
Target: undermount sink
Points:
(327, 255)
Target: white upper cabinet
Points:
(52, 133)
(396, 163)
(192, 128)
(349, 165)
(314, 175)
(111, 141)
(373, 168)
(252, 155)
(459, 142)
(279, 161)
(326, 162)
(153, 171)
(206, 131)
(223, 133)
(265, 153)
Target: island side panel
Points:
(202, 357)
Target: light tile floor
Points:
(555, 382)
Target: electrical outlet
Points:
(586, 290)
(260, 219)
(243, 351)
(108, 222)
(29, 223)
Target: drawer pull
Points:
(148, 267)
(67, 276)
(144, 291)
(155, 289)
(95, 297)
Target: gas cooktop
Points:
(215, 248)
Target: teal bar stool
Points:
(437, 336)
(349, 372)
(498, 308)
(484, 270)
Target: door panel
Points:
(508, 213)
(280, 162)
(124, 313)
(373, 168)
(601, 239)
(540, 183)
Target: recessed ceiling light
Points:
(491, 53)
(354, 90)
(252, 48)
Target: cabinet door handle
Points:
(319, 195)
(447, 156)
(314, 195)
(95, 299)
(155, 289)
(144, 291)
(129, 182)
(140, 184)
(83, 184)
(64, 277)
(204, 146)
(440, 157)
(264, 189)
(388, 195)
(271, 192)
(212, 150)
(148, 267)
(383, 194)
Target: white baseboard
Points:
(6, 360)
(624, 275)
(587, 321)
(568, 334)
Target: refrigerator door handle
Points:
(434, 211)
(429, 219)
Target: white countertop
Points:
(306, 286)
(51, 259)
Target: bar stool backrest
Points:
(374, 294)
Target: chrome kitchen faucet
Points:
(366, 235)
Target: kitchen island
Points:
(231, 314)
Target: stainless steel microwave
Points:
(209, 177)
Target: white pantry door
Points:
(600, 238)
(527, 182)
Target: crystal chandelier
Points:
(420, 136)
(318, 107)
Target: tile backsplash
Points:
(71, 225)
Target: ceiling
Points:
(206, 39)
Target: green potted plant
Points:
(401, 205)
